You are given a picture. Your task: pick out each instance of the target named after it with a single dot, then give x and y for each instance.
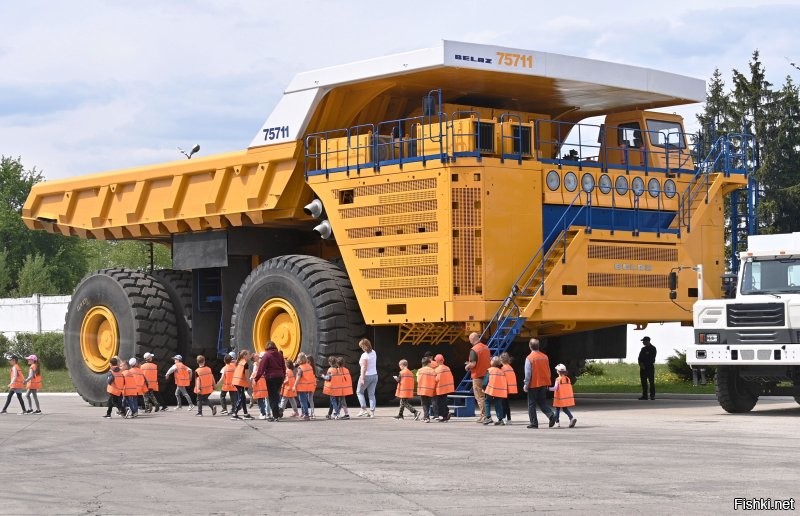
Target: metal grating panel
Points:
(409, 260)
(422, 281)
(599, 279)
(423, 195)
(407, 219)
(402, 293)
(396, 272)
(467, 242)
(397, 250)
(387, 209)
(399, 229)
(756, 314)
(388, 188)
(614, 252)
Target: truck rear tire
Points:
(734, 394)
(112, 312)
(302, 303)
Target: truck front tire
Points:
(734, 394)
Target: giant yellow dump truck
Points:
(412, 199)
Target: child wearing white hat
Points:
(563, 396)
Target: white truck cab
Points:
(754, 338)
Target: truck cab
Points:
(754, 338)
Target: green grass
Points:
(624, 378)
(53, 380)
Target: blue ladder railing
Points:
(508, 320)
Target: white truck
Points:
(754, 338)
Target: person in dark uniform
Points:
(647, 368)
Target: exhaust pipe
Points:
(324, 229)
(314, 208)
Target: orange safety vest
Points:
(227, 378)
(564, 397)
(426, 381)
(204, 380)
(118, 385)
(182, 378)
(287, 390)
(140, 381)
(260, 388)
(347, 382)
(17, 381)
(150, 371)
(482, 364)
(131, 387)
(497, 386)
(239, 376)
(540, 369)
(331, 387)
(405, 387)
(511, 379)
(444, 380)
(307, 382)
(35, 383)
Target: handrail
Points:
(517, 138)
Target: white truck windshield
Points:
(771, 276)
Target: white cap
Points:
(232, 354)
(133, 362)
(178, 357)
(148, 355)
(561, 367)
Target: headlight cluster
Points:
(604, 183)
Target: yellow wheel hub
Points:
(99, 338)
(277, 321)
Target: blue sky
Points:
(89, 86)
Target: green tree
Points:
(134, 254)
(5, 277)
(63, 255)
(35, 277)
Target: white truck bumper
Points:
(700, 355)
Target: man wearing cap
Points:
(647, 368)
(537, 380)
(478, 366)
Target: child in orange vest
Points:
(203, 386)
(445, 385)
(426, 387)
(16, 384)
(405, 389)
(226, 379)
(345, 387)
(511, 381)
(260, 389)
(305, 383)
(311, 396)
(563, 396)
(183, 379)
(150, 371)
(241, 379)
(34, 383)
(288, 393)
(496, 390)
(115, 387)
(331, 387)
(132, 389)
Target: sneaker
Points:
(500, 422)
(178, 407)
(346, 416)
(371, 413)
(263, 418)
(163, 409)
(398, 417)
(328, 417)
(191, 408)
(199, 414)
(107, 416)
(426, 420)
(135, 415)
(306, 418)
(558, 424)
(3, 412)
(508, 422)
(552, 421)
(488, 422)
(29, 411)
(362, 413)
(572, 422)
(128, 413)
(213, 410)
(642, 398)
(224, 412)
(247, 416)
(532, 426)
(416, 416)
(271, 419)
(235, 416)
(652, 397)
(447, 416)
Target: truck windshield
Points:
(771, 277)
(663, 134)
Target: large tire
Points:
(124, 313)
(734, 394)
(313, 297)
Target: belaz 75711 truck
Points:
(413, 199)
(754, 339)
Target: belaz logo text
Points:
(486, 60)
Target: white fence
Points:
(35, 314)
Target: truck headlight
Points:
(709, 338)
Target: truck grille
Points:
(753, 315)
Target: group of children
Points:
(19, 383)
